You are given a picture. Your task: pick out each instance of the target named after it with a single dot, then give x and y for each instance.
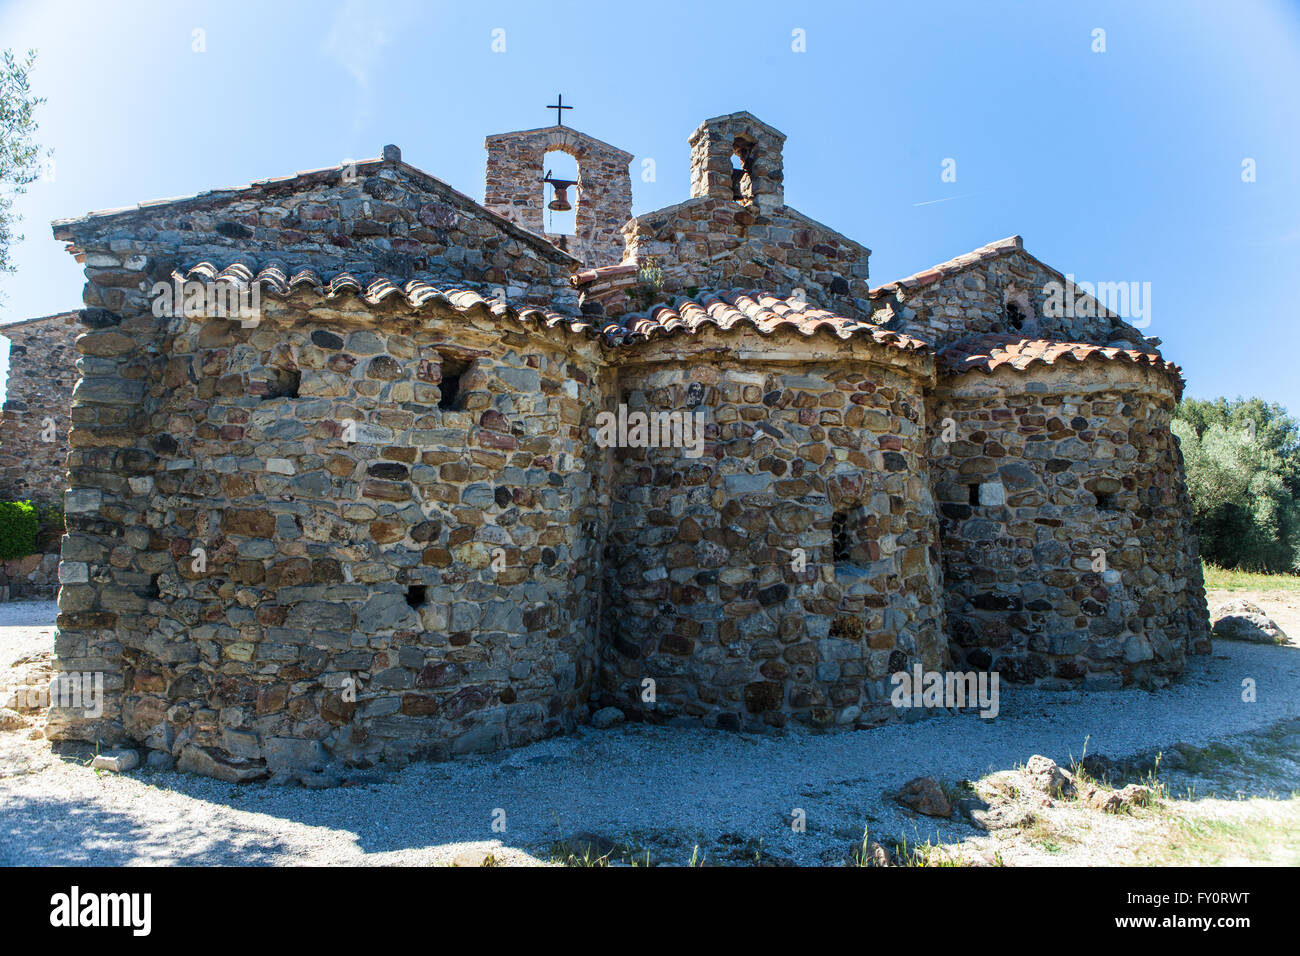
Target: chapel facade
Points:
(365, 513)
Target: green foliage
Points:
(18, 524)
(1243, 473)
(20, 157)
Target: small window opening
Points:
(974, 493)
(1015, 315)
(560, 193)
(742, 166)
(283, 383)
(449, 388)
(1105, 502)
(840, 537)
(415, 595)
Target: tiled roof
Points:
(376, 291)
(935, 273)
(762, 311)
(988, 352)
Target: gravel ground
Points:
(663, 788)
(26, 627)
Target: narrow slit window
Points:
(449, 387)
(840, 537)
(974, 493)
(1015, 315)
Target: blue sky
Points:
(1123, 165)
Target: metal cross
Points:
(559, 107)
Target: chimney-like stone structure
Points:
(516, 165)
(738, 156)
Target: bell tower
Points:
(738, 156)
(520, 187)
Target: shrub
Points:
(1242, 467)
(18, 525)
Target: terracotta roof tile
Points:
(604, 272)
(374, 291)
(990, 351)
(762, 311)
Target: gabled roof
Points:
(66, 229)
(933, 274)
(991, 351)
(762, 311)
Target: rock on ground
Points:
(1240, 620)
(924, 795)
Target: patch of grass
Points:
(1266, 832)
(1227, 579)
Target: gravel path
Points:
(666, 788)
(25, 628)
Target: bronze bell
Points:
(561, 201)
(561, 186)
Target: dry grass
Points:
(1225, 579)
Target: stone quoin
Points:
(375, 523)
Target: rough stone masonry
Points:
(365, 516)
(34, 438)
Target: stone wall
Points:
(710, 243)
(330, 556)
(1051, 469)
(1000, 289)
(373, 217)
(703, 596)
(31, 578)
(42, 373)
(603, 200)
(735, 232)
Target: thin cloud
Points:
(356, 39)
(931, 202)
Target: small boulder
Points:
(606, 718)
(1240, 620)
(1115, 801)
(118, 761)
(201, 760)
(1046, 776)
(924, 795)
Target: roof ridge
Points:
(989, 250)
